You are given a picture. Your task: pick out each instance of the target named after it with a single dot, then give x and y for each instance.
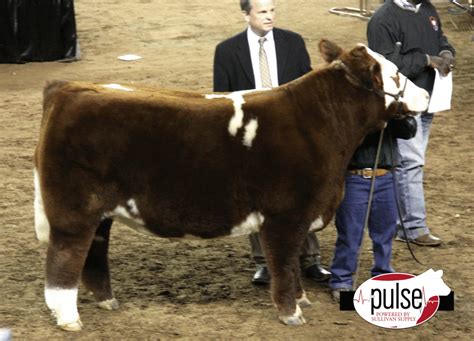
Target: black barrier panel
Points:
(37, 30)
(446, 302)
(346, 301)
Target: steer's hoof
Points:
(111, 304)
(303, 301)
(296, 319)
(72, 327)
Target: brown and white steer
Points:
(178, 164)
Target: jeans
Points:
(410, 179)
(350, 218)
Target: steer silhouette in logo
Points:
(434, 288)
(400, 300)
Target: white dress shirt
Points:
(269, 47)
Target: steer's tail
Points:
(41, 221)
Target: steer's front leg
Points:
(282, 246)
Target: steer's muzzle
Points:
(416, 100)
(399, 110)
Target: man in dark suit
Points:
(264, 57)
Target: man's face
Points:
(261, 16)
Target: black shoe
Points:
(261, 276)
(317, 273)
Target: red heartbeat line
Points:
(361, 298)
(433, 299)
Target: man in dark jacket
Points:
(264, 57)
(408, 32)
(350, 215)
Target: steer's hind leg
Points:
(96, 275)
(282, 242)
(301, 299)
(67, 251)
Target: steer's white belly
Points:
(130, 216)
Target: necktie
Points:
(264, 69)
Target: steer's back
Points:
(112, 120)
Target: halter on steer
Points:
(401, 93)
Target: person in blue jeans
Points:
(350, 215)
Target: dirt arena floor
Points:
(202, 290)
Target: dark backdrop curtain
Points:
(37, 30)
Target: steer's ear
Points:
(329, 51)
(376, 72)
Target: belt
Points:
(369, 172)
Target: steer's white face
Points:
(415, 98)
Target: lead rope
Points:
(369, 207)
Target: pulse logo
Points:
(400, 300)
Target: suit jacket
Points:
(233, 65)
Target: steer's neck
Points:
(334, 110)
